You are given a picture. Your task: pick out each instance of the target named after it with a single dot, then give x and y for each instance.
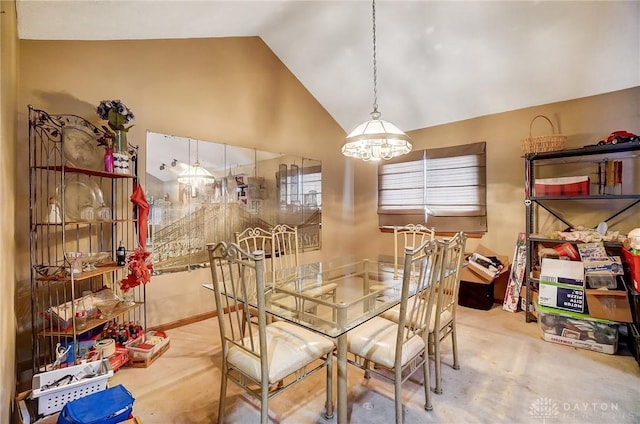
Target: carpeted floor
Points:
(508, 375)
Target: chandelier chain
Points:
(376, 139)
(375, 70)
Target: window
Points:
(444, 188)
(300, 186)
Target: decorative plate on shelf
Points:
(79, 191)
(80, 147)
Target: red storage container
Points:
(564, 186)
(633, 263)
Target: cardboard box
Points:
(562, 285)
(607, 304)
(477, 289)
(562, 297)
(500, 286)
(560, 271)
(469, 274)
(578, 330)
(612, 265)
(533, 302)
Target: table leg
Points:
(341, 312)
(342, 379)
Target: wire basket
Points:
(543, 143)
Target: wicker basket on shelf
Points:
(543, 143)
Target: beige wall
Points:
(584, 121)
(236, 91)
(232, 90)
(8, 97)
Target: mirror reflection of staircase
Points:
(181, 244)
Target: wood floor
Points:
(508, 375)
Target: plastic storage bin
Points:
(52, 399)
(578, 330)
(563, 186)
(633, 262)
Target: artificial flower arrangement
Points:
(117, 115)
(140, 268)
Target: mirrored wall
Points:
(203, 192)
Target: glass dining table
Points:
(331, 298)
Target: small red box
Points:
(120, 358)
(564, 186)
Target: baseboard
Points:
(184, 321)
(188, 320)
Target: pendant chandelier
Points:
(196, 175)
(376, 139)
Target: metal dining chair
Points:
(408, 235)
(444, 314)
(286, 257)
(286, 250)
(267, 359)
(443, 317)
(383, 347)
(250, 240)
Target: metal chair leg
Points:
(223, 395)
(398, 395)
(436, 350)
(427, 384)
(264, 403)
(454, 343)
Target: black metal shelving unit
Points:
(617, 202)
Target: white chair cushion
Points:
(290, 348)
(290, 303)
(393, 314)
(376, 340)
(444, 319)
(320, 290)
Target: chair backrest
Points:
(285, 248)
(451, 255)
(237, 277)
(256, 238)
(415, 312)
(412, 235)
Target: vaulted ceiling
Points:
(437, 61)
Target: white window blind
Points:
(401, 186)
(443, 188)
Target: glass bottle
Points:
(121, 255)
(108, 159)
(54, 216)
(81, 314)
